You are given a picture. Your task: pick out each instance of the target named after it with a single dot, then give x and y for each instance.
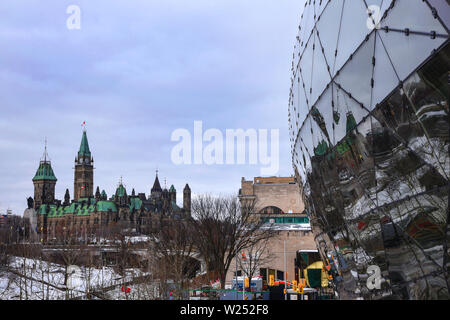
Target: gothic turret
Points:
(173, 194)
(98, 194)
(44, 182)
(121, 196)
(67, 198)
(84, 171)
(187, 199)
(156, 191)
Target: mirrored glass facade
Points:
(369, 131)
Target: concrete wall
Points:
(295, 240)
(285, 195)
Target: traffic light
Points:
(247, 282)
(300, 289)
(243, 256)
(294, 285)
(271, 280)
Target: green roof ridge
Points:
(45, 172)
(84, 147)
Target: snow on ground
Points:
(45, 280)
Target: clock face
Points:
(86, 161)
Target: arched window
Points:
(271, 210)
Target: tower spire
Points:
(45, 155)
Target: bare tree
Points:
(69, 255)
(223, 227)
(256, 256)
(173, 246)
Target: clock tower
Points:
(84, 171)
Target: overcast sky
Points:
(135, 72)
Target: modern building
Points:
(369, 131)
(276, 202)
(86, 215)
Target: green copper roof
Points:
(344, 146)
(85, 210)
(321, 149)
(81, 208)
(172, 189)
(121, 191)
(103, 206)
(135, 203)
(84, 147)
(45, 172)
(351, 122)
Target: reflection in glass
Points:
(373, 152)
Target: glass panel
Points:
(346, 115)
(328, 30)
(353, 31)
(307, 144)
(428, 93)
(443, 10)
(356, 75)
(385, 79)
(299, 160)
(307, 22)
(407, 230)
(419, 119)
(302, 106)
(292, 115)
(306, 65)
(320, 74)
(320, 6)
(408, 52)
(322, 114)
(418, 17)
(321, 141)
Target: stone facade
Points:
(273, 258)
(280, 192)
(278, 201)
(88, 216)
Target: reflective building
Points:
(369, 130)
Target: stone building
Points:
(278, 203)
(88, 214)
